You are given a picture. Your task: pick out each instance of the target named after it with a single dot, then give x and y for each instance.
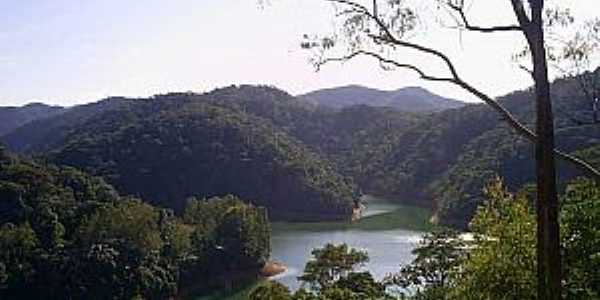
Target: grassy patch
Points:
(406, 217)
(403, 217)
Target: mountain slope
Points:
(439, 160)
(443, 160)
(409, 99)
(15, 117)
(447, 159)
(67, 235)
(171, 147)
(44, 134)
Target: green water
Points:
(388, 231)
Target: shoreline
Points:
(273, 268)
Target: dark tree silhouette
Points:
(377, 28)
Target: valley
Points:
(303, 162)
(309, 166)
(388, 231)
(300, 150)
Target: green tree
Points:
(331, 263)
(379, 28)
(177, 238)
(131, 221)
(271, 290)
(244, 236)
(501, 261)
(48, 227)
(18, 246)
(228, 232)
(362, 284)
(66, 235)
(335, 293)
(437, 257)
(12, 208)
(581, 239)
(330, 274)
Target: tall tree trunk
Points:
(547, 207)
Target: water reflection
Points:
(388, 249)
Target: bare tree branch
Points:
(384, 60)
(354, 5)
(519, 10)
(537, 11)
(505, 114)
(386, 36)
(375, 13)
(580, 162)
(347, 12)
(531, 24)
(526, 69)
(467, 25)
(526, 132)
(389, 37)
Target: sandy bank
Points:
(272, 268)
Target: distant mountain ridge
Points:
(438, 160)
(408, 99)
(14, 117)
(180, 145)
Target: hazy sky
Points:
(68, 52)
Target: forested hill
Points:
(67, 235)
(171, 147)
(265, 144)
(40, 135)
(446, 159)
(15, 117)
(409, 99)
(441, 160)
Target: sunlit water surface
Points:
(388, 249)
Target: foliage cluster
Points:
(208, 148)
(67, 235)
(251, 140)
(496, 260)
(331, 274)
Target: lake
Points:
(387, 231)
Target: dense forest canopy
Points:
(15, 117)
(171, 147)
(438, 160)
(67, 235)
(174, 196)
(496, 260)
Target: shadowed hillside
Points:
(175, 146)
(409, 99)
(15, 117)
(260, 142)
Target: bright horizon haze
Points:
(64, 52)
